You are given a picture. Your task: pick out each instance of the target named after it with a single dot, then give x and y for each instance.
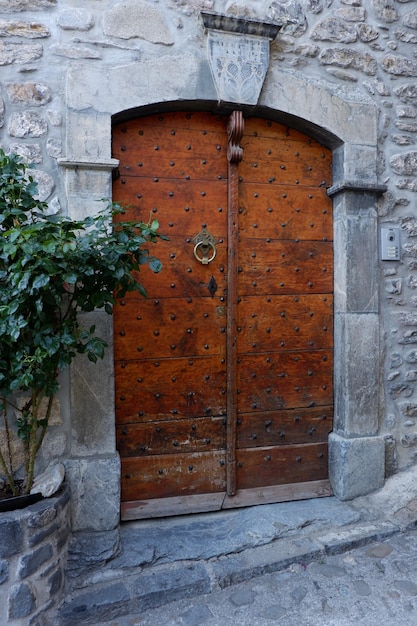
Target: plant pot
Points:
(33, 548)
(19, 502)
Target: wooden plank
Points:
(263, 467)
(169, 327)
(279, 493)
(270, 323)
(169, 475)
(156, 141)
(285, 211)
(285, 267)
(212, 122)
(294, 426)
(166, 507)
(149, 390)
(284, 165)
(201, 162)
(275, 381)
(255, 126)
(185, 505)
(180, 206)
(169, 437)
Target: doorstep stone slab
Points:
(237, 568)
(340, 540)
(226, 532)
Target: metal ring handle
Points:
(204, 259)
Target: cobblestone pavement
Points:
(369, 586)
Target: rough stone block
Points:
(4, 571)
(55, 582)
(75, 19)
(31, 562)
(356, 466)
(62, 536)
(27, 124)
(37, 538)
(11, 537)
(136, 19)
(42, 518)
(21, 601)
(105, 603)
(95, 493)
(19, 53)
(91, 549)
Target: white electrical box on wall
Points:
(390, 244)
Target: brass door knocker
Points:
(205, 247)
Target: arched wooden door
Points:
(223, 374)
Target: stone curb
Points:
(160, 585)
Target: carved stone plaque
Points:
(239, 64)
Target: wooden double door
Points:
(224, 373)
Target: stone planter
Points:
(33, 548)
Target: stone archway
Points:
(95, 97)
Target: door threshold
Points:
(209, 502)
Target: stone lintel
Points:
(356, 466)
(242, 26)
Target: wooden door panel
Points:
(281, 170)
(286, 427)
(182, 275)
(285, 212)
(276, 323)
(283, 267)
(179, 205)
(262, 467)
(190, 143)
(168, 475)
(148, 390)
(199, 162)
(272, 152)
(256, 126)
(274, 381)
(169, 326)
(199, 434)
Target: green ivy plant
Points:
(52, 268)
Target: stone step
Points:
(133, 593)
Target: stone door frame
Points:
(96, 97)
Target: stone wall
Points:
(56, 56)
(33, 548)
